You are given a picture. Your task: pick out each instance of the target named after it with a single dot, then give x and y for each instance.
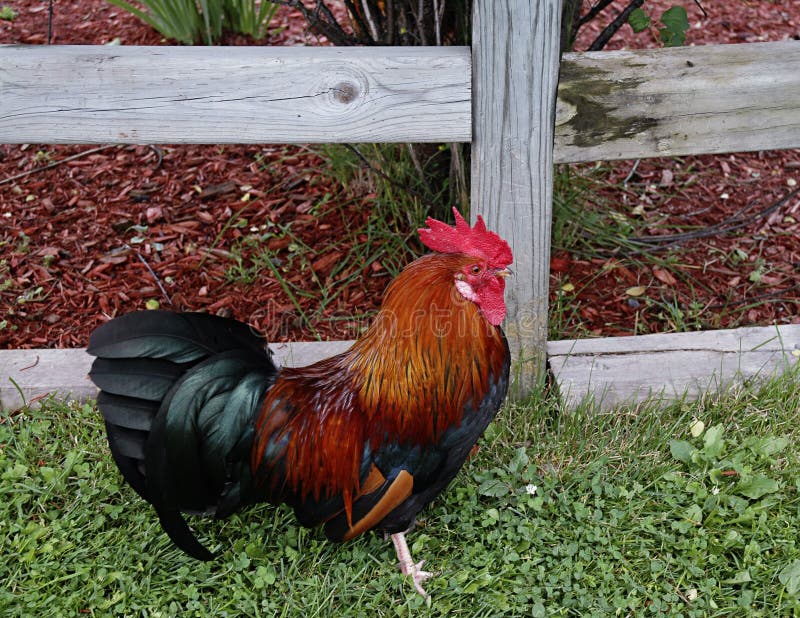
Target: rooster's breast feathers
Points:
(367, 438)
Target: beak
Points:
(505, 272)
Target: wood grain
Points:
(677, 101)
(617, 370)
(515, 68)
(147, 95)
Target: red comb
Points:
(476, 241)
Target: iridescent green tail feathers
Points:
(179, 393)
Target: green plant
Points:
(7, 13)
(174, 19)
(675, 23)
(248, 17)
(760, 268)
(190, 21)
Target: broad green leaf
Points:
(493, 488)
(769, 446)
(713, 443)
(676, 23)
(741, 577)
(756, 486)
(681, 450)
(790, 577)
(639, 20)
(694, 514)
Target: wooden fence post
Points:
(515, 56)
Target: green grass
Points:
(631, 515)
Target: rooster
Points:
(200, 420)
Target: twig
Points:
(159, 154)
(370, 21)
(632, 172)
(50, 23)
(151, 271)
(437, 20)
(56, 163)
(327, 26)
(356, 17)
(611, 29)
(700, 6)
(386, 177)
(734, 222)
(648, 244)
(389, 22)
(593, 12)
(420, 16)
(36, 362)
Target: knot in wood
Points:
(345, 92)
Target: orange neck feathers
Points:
(428, 354)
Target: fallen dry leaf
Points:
(664, 276)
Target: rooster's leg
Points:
(407, 565)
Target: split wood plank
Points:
(678, 101)
(224, 95)
(611, 105)
(623, 370)
(30, 375)
(515, 64)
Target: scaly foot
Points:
(407, 565)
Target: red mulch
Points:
(78, 241)
(750, 276)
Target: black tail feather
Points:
(179, 395)
(181, 534)
(127, 412)
(176, 337)
(132, 468)
(142, 378)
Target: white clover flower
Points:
(531, 488)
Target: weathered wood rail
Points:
(503, 94)
(610, 105)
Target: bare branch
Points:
(322, 21)
(611, 29)
(368, 17)
(700, 6)
(593, 12)
(358, 19)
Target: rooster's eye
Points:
(476, 270)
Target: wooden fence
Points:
(504, 94)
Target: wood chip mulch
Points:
(114, 228)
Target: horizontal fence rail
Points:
(617, 370)
(161, 95)
(611, 105)
(678, 101)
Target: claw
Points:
(407, 565)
